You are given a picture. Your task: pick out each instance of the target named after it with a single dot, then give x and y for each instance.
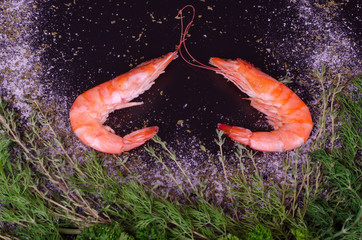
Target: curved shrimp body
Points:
(285, 111)
(90, 109)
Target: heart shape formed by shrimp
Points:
(285, 111)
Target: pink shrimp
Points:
(90, 109)
(285, 111)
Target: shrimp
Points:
(91, 109)
(285, 111)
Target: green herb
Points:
(104, 232)
(337, 210)
(39, 201)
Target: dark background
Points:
(91, 42)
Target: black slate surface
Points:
(94, 41)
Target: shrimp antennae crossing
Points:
(183, 36)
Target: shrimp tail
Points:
(239, 134)
(139, 137)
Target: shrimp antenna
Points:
(182, 43)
